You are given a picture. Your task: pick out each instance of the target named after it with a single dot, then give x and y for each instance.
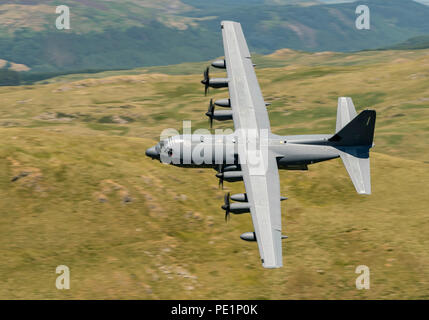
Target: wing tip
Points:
(223, 22)
(272, 265)
(276, 266)
(365, 192)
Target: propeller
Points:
(220, 181)
(210, 113)
(206, 80)
(220, 176)
(226, 206)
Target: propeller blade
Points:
(210, 113)
(209, 110)
(221, 182)
(219, 175)
(207, 73)
(206, 80)
(227, 206)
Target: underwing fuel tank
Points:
(248, 236)
(251, 236)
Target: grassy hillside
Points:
(76, 188)
(131, 33)
(421, 42)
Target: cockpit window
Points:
(165, 147)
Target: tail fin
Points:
(358, 132)
(353, 140)
(345, 112)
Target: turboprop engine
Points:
(213, 82)
(230, 176)
(220, 115)
(235, 208)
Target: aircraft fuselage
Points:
(292, 152)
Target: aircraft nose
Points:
(151, 152)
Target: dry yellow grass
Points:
(84, 194)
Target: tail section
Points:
(354, 138)
(345, 112)
(357, 166)
(358, 132)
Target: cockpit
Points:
(164, 148)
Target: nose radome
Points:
(151, 152)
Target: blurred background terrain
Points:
(133, 33)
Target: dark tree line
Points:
(9, 77)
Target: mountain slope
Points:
(421, 42)
(125, 34)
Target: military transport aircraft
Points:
(253, 154)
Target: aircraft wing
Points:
(259, 165)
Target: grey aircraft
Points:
(253, 154)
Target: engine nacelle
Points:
(225, 103)
(218, 82)
(219, 64)
(240, 197)
(231, 176)
(239, 208)
(232, 167)
(248, 236)
(222, 115)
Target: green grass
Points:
(170, 241)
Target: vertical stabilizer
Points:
(346, 112)
(358, 132)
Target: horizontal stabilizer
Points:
(357, 165)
